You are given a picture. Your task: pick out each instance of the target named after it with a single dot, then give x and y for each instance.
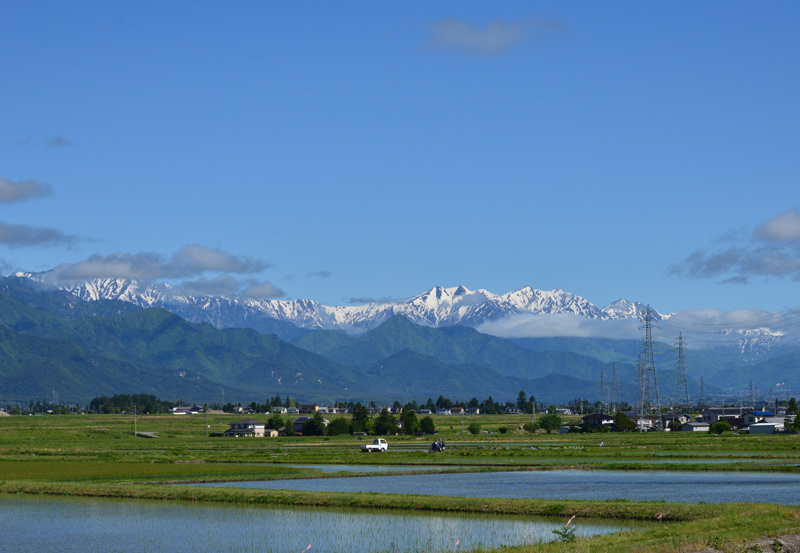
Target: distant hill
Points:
(52, 341)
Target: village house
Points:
(597, 420)
(763, 422)
(753, 417)
(713, 414)
(695, 427)
(643, 424)
(246, 428)
(186, 410)
(673, 418)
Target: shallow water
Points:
(670, 486)
(36, 523)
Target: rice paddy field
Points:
(99, 456)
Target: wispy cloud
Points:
(26, 236)
(223, 285)
(781, 228)
(772, 249)
(527, 325)
(704, 327)
(366, 300)
(17, 191)
(319, 274)
(194, 260)
(59, 142)
(497, 37)
(229, 286)
(262, 290)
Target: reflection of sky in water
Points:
(79, 525)
(374, 468)
(670, 486)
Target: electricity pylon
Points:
(682, 385)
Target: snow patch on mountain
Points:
(527, 310)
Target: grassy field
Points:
(97, 455)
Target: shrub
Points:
(427, 426)
(474, 427)
(720, 426)
(530, 427)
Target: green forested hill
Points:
(52, 341)
(454, 345)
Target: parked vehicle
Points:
(378, 444)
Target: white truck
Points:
(378, 444)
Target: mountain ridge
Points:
(439, 306)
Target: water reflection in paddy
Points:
(376, 468)
(34, 523)
(670, 486)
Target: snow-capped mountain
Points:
(438, 306)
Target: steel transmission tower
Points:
(615, 383)
(648, 366)
(682, 386)
(603, 393)
(702, 393)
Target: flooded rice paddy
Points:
(669, 486)
(36, 523)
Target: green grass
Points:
(99, 456)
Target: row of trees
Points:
(385, 424)
(143, 403)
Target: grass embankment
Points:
(98, 456)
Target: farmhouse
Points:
(248, 427)
(713, 414)
(695, 427)
(754, 417)
(597, 420)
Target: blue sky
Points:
(369, 150)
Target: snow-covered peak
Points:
(439, 306)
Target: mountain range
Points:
(114, 336)
(438, 306)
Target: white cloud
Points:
(262, 290)
(191, 261)
(496, 38)
(222, 285)
(783, 227)
(201, 259)
(18, 191)
(771, 249)
(25, 236)
(561, 324)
